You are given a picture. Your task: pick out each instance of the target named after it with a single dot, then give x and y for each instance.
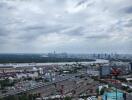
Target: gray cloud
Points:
(68, 25)
(128, 10)
(106, 36)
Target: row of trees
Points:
(6, 83)
(28, 97)
(29, 58)
(23, 96)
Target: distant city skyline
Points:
(71, 26)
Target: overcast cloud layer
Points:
(73, 26)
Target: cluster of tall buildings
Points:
(105, 70)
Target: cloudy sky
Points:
(73, 26)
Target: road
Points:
(38, 86)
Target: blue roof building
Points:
(113, 96)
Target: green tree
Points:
(67, 98)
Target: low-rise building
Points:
(105, 71)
